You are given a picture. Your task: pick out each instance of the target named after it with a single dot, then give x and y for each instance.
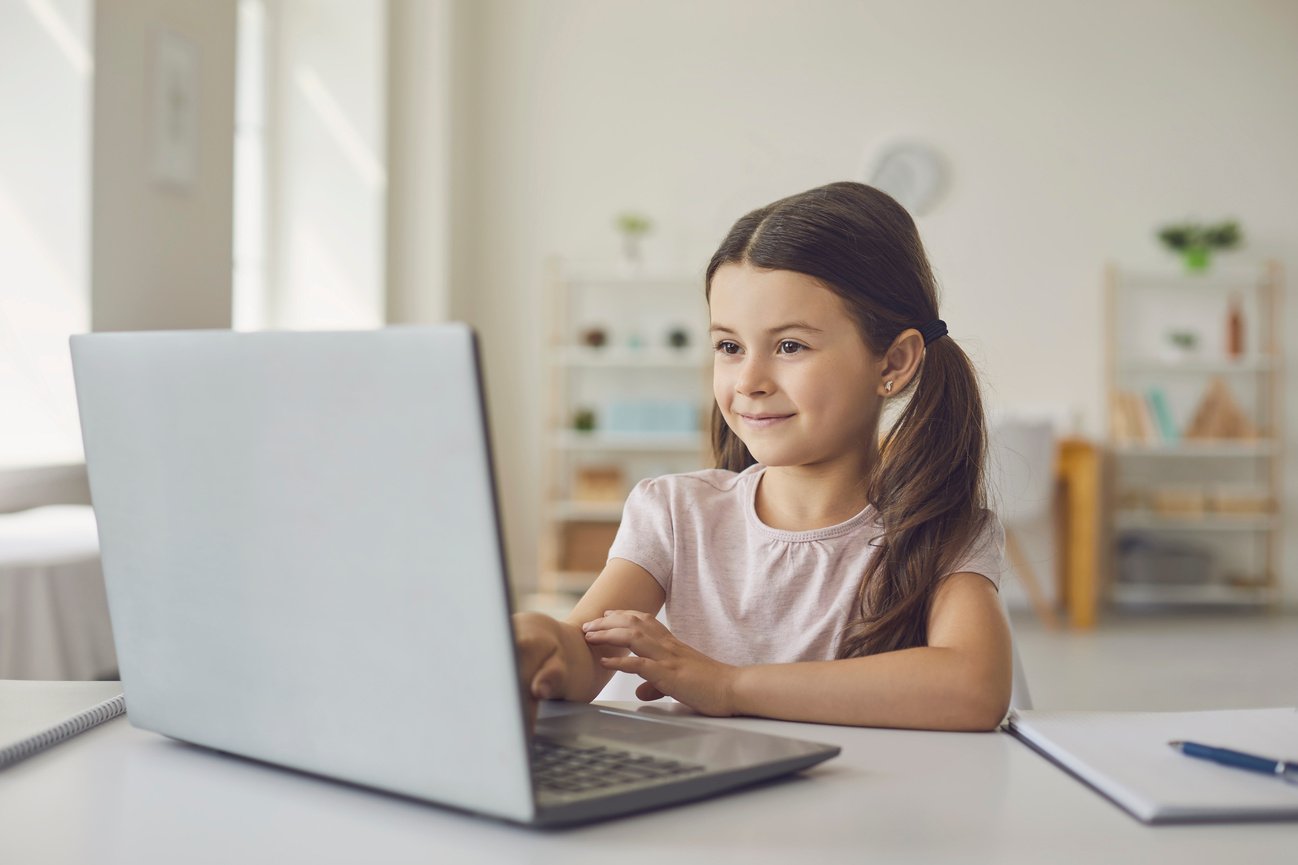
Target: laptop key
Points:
(573, 769)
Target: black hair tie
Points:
(933, 331)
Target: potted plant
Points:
(632, 226)
(1195, 242)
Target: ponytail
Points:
(928, 489)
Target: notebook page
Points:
(1126, 756)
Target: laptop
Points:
(302, 550)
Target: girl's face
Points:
(791, 374)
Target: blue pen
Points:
(1287, 770)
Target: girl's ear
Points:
(900, 362)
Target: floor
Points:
(1152, 663)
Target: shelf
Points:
(570, 582)
(1210, 593)
(1207, 522)
(647, 442)
(622, 358)
(568, 509)
(1197, 449)
(1219, 278)
(1200, 367)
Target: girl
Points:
(816, 574)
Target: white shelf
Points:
(1209, 593)
(1207, 522)
(645, 442)
(580, 356)
(1223, 366)
(570, 582)
(1219, 278)
(569, 509)
(1214, 449)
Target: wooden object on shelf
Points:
(598, 484)
(586, 545)
(1219, 416)
(1241, 502)
(1179, 501)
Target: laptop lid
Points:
(301, 549)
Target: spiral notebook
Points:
(38, 715)
(1125, 757)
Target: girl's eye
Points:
(725, 346)
(788, 346)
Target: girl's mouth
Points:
(763, 421)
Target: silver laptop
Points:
(302, 551)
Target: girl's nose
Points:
(753, 379)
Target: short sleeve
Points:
(986, 555)
(645, 536)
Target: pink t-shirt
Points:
(742, 592)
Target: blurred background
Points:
(558, 173)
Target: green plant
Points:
(1183, 339)
(633, 224)
(1186, 236)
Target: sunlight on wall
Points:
(44, 224)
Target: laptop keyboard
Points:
(572, 769)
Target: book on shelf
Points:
(1137, 420)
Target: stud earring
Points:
(888, 387)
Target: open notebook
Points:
(38, 715)
(1125, 756)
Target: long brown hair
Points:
(927, 482)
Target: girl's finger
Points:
(626, 663)
(646, 691)
(627, 638)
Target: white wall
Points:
(1073, 130)
(160, 253)
(45, 83)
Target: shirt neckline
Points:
(750, 512)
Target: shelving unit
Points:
(649, 402)
(1194, 517)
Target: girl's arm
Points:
(556, 661)
(960, 681)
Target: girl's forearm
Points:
(928, 688)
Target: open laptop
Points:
(302, 551)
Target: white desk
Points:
(120, 795)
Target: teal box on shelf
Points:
(660, 416)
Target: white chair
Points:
(1021, 455)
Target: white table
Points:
(116, 794)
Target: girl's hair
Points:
(927, 478)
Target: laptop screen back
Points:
(300, 543)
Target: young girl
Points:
(816, 574)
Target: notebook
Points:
(1125, 757)
(38, 715)
(304, 563)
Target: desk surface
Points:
(116, 794)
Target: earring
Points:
(888, 387)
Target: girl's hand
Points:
(544, 668)
(669, 667)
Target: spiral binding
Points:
(78, 724)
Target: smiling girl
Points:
(816, 574)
